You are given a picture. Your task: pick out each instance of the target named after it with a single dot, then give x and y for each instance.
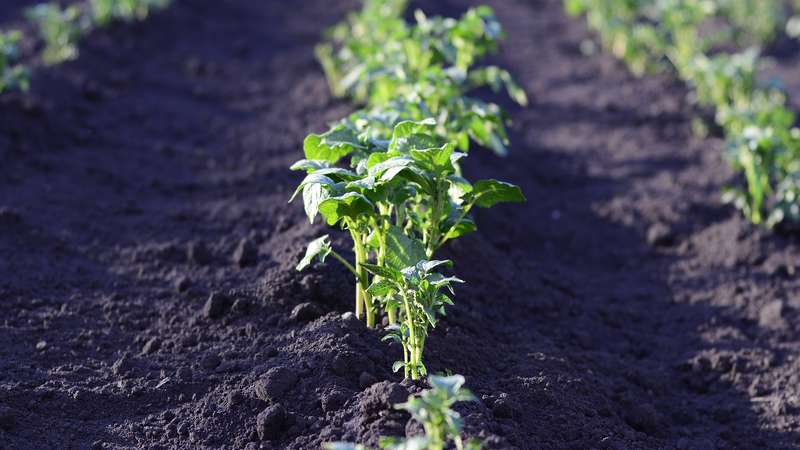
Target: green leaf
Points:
(343, 446)
(450, 385)
(397, 366)
(313, 195)
(381, 287)
(382, 271)
(409, 135)
(487, 193)
(427, 266)
(319, 247)
(401, 250)
(332, 145)
(435, 159)
(459, 187)
(337, 174)
(350, 205)
(390, 167)
(465, 226)
(310, 165)
(312, 178)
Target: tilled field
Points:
(147, 285)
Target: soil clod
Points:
(216, 305)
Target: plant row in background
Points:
(61, 29)
(389, 174)
(698, 39)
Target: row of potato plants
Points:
(694, 39)
(390, 174)
(61, 28)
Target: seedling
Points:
(433, 409)
(417, 292)
(12, 74)
(60, 28)
(401, 203)
(105, 11)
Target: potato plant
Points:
(12, 74)
(62, 28)
(432, 409)
(390, 173)
(403, 199)
(417, 292)
(422, 70)
(762, 141)
(105, 11)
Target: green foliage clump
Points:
(62, 28)
(106, 11)
(12, 74)
(423, 70)
(432, 409)
(390, 174)
(693, 38)
(401, 200)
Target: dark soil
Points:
(148, 296)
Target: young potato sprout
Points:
(417, 292)
(402, 202)
(432, 409)
(60, 28)
(12, 74)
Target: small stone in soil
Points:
(274, 383)
(501, 407)
(660, 234)
(121, 366)
(366, 380)
(210, 362)
(7, 418)
(9, 217)
(269, 422)
(151, 346)
(216, 305)
(644, 418)
(184, 373)
(771, 315)
(182, 284)
(240, 306)
(305, 312)
(198, 253)
(41, 345)
(381, 396)
(333, 400)
(246, 253)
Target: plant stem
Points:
(357, 270)
(344, 262)
(436, 215)
(463, 214)
(405, 360)
(363, 298)
(390, 310)
(412, 338)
